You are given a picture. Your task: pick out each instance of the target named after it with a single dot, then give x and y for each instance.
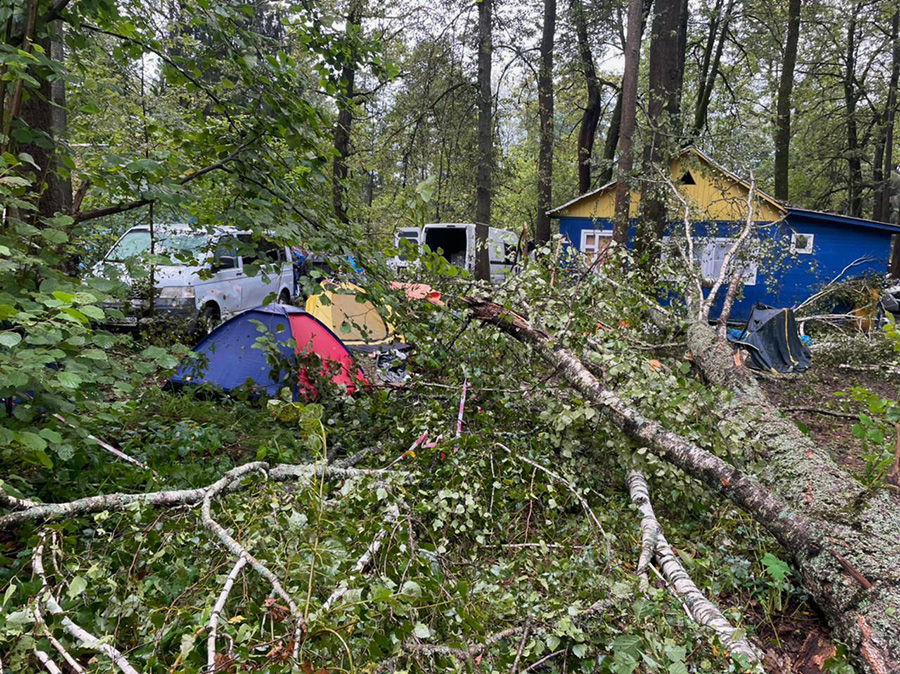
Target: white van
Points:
(456, 241)
(208, 279)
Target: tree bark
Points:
(43, 110)
(340, 171)
(854, 162)
(783, 106)
(545, 109)
(663, 111)
(843, 539)
(483, 189)
(629, 120)
(881, 210)
(590, 118)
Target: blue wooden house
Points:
(812, 247)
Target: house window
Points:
(712, 257)
(687, 179)
(595, 244)
(802, 244)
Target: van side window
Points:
(248, 249)
(225, 256)
(272, 252)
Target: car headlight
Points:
(177, 293)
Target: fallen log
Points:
(867, 618)
(862, 524)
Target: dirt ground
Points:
(807, 397)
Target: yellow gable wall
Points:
(716, 196)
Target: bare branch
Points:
(700, 609)
(173, 498)
(87, 639)
(47, 662)
(217, 612)
(706, 305)
(236, 548)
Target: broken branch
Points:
(699, 608)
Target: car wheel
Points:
(209, 319)
(284, 297)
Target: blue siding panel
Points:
(836, 245)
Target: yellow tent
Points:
(356, 322)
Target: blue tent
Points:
(229, 357)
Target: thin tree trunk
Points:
(590, 118)
(612, 141)
(711, 69)
(663, 112)
(783, 106)
(882, 206)
(854, 163)
(629, 114)
(340, 170)
(483, 190)
(545, 108)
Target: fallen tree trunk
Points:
(864, 524)
(836, 563)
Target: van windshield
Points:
(182, 246)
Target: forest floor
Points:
(808, 398)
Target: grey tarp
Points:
(773, 341)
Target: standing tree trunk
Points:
(545, 108)
(663, 111)
(629, 114)
(854, 163)
(882, 208)
(345, 117)
(43, 110)
(612, 141)
(615, 123)
(485, 142)
(783, 109)
(590, 118)
(709, 68)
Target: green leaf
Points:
(777, 569)
(77, 586)
(10, 339)
(67, 298)
(411, 589)
(421, 631)
(69, 379)
(32, 441)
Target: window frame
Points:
(606, 233)
(751, 269)
(810, 238)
